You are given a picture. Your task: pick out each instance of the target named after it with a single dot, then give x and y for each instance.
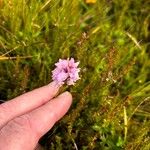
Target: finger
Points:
(44, 117)
(26, 102)
(24, 132)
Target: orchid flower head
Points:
(66, 71)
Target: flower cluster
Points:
(66, 71)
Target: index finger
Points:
(27, 102)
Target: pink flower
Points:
(66, 71)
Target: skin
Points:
(26, 118)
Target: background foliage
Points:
(111, 103)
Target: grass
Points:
(111, 103)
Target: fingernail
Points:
(54, 84)
(66, 94)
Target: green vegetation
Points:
(111, 107)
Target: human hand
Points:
(26, 118)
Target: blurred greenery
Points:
(110, 38)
